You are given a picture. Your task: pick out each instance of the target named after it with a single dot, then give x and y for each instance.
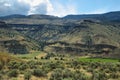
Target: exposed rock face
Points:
(14, 42)
(98, 29)
(2, 24)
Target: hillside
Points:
(14, 42)
(45, 46)
(96, 29)
(110, 16)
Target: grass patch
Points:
(28, 56)
(7, 57)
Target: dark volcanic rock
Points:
(3, 24)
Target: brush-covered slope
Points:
(14, 42)
(75, 33)
(100, 33)
(100, 29)
(84, 36)
(74, 37)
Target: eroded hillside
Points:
(37, 30)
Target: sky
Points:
(57, 7)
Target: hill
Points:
(111, 16)
(14, 42)
(45, 47)
(90, 30)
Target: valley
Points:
(74, 47)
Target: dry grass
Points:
(5, 58)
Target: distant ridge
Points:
(110, 16)
(33, 16)
(13, 16)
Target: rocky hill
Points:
(99, 30)
(14, 42)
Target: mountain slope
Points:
(98, 30)
(75, 33)
(14, 42)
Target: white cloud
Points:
(7, 4)
(25, 7)
(40, 6)
(8, 7)
(63, 10)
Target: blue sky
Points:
(91, 6)
(57, 7)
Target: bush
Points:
(13, 73)
(99, 76)
(27, 75)
(62, 74)
(114, 75)
(57, 75)
(1, 66)
(32, 64)
(13, 65)
(23, 67)
(53, 65)
(77, 75)
(1, 77)
(39, 73)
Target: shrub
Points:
(99, 76)
(23, 67)
(114, 75)
(53, 65)
(13, 65)
(27, 75)
(57, 75)
(13, 73)
(61, 74)
(32, 64)
(1, 77)
(77, 75)
(39, 73)
(1, 66)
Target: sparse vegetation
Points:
(39, 73)
(13, 73)
(67, 68)
(50, 48)
(27, 75)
